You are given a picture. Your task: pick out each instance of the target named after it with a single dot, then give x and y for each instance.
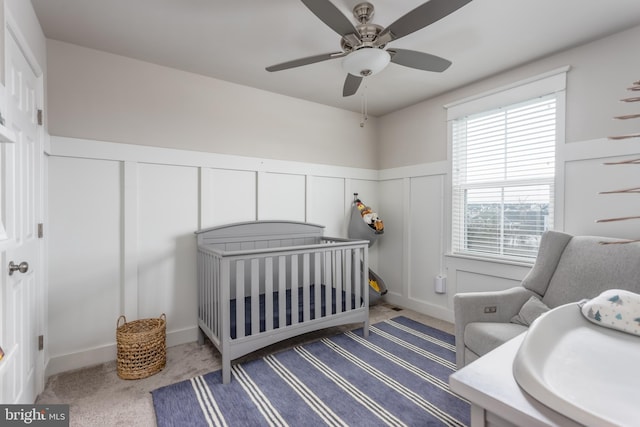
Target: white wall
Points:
(106, 97)
(600, 73)
(122, 221)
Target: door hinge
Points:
(40, 230)
(40, 342)
(40, 120)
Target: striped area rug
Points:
(396, 377)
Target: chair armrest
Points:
(470, 307)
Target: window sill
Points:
(494, 260)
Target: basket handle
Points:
(118, 322)
(163, 317)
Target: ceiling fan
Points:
(363, 45)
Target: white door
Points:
(22, 291)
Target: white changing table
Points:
(496, 399)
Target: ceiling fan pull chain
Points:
(365, 113)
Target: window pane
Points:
(526, 217)
(482, 226)
(506, 220)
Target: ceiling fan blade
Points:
(351, 85)
(418, 18)
(305, 61)
(331, 15)
(419, 60)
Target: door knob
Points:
(22, 268)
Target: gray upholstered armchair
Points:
(568, 268)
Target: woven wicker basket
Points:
(142, 349)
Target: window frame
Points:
(551, 83)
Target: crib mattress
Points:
(276, 308)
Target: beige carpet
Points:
(98, 397)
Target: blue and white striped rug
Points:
(396, 377)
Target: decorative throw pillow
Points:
(530, 311)
(616, 309)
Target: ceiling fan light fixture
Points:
(366, 61)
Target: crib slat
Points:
(282, 291)
(223, 291)
(294, 290)
(202, 266)
(328, 283)
(255, 297)
(205, 272)
(348, 265)
(337, 279)
(268, 293)
(305, 287)
(355, 273)
(365, 284)
(318, 283)
(240, 332)
(359, 285)
(343, 267)
(218, 299)
(212, 295)
(208, 285)
(211, 286)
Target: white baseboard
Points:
(432, 310)
(107, 353)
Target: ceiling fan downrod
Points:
(363, 12)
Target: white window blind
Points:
(503, 170)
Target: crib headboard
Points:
(260, 235)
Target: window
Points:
(503, 176)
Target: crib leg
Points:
(226, 370)
(365, 328)
(200, 336)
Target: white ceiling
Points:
(234, 40)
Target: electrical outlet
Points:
(490, 309)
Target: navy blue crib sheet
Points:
(276, 308)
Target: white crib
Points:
(260, 282)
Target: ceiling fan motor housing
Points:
(367, 32)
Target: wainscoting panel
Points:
(326, 204)
(167, 218)
(227, 196)
(84, 245)
(426, 238)
(391, 250)
(281, 196)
